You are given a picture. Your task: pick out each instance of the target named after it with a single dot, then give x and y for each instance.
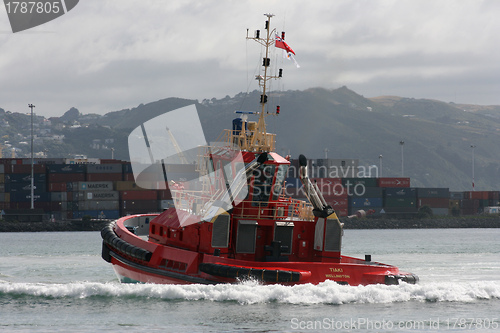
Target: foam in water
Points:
(251, 292)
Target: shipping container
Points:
(97, 177)
(400, 202)
(456, 195)
(399, 192)
(481, 195)
(367, 182)
(66, 177)
(127, 168)
(104, 168)
(128, 177)
(139, 205)
(493, 195)
(338, 203)
(370, 192)
(96, 195)
(342, 212)
(139, 195)
(44, 161)
(365, 202)
(26, 168)
(2, 177)
(58, 196)
(2, 197)
(57, 187)
(434, 202)
(93, 186)
(2, 187)
(97, 214)
(128, 186)
(327, 186)
(26, 197)
(66, 168)
(469, 204)
(98, 205)
(25, 187)
(393, 182)
(492, 210)
(424, 192)
(2, 168)
(25, 177)
(4, 205)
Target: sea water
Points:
(57, 282)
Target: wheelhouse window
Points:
(262, 185)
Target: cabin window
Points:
(263, 181)
(247, 233)
(283, 232)
(318, 234)
(333, 235)
(280, 178)
(220, 231)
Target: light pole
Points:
(402, 143)
(473, 146)
(380, 162)
(31, 106)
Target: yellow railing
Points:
(245, 140)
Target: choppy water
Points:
(57, 282)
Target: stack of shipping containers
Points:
(108, 190)
(438, 199)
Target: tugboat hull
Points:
(135, 259)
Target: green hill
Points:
(437, 136)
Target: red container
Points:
(434, 202)
(481, 195)
(342, 212)
(65, 177)
(493, 195)
(139, 195)
(339, 203)
(393, 182)
(329, 186)
(99, 177)
(4, 205)
(57, 187)
(26, 168)
(128, 177)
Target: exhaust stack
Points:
(321, 208)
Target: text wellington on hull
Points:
(232, 221)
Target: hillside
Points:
(437, 135)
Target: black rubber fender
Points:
(265, 275)
(105, 252)
(112, 241)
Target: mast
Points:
(261, 141)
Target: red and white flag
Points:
(287, 50)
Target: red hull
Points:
(170, 265)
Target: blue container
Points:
(26, 197)
(25, 178)
(66, 168)
(365, 202)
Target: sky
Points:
(109, 55)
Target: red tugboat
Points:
(240, 224)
